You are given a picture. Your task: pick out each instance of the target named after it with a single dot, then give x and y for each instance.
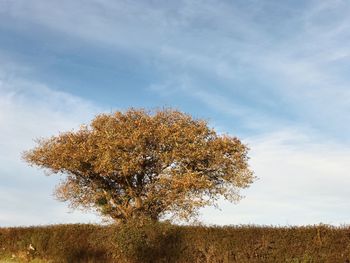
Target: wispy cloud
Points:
(277, 59)
(27, 111)
(301, 181)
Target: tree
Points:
(142, 163)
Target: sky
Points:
(273, 73)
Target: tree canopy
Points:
(142, 163)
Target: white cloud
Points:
(285, 58)
(27, 111)
(301, 181)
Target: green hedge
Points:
(163, 242)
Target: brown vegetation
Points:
(139, 164)
(162, 242)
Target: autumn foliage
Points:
(138, 163)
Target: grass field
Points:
(160, 242)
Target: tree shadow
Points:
(153, 243)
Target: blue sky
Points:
(273, 73)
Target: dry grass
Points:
(168, 243)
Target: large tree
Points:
(142, 163)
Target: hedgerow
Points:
(164, 242)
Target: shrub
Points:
(163, 242)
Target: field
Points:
(163, 242)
